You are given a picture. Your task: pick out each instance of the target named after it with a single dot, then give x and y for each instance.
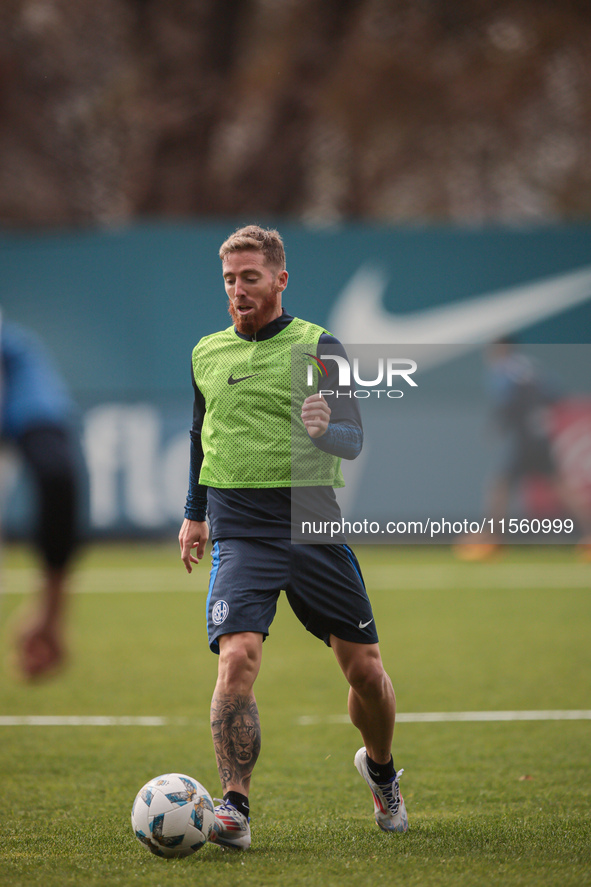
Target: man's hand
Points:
(40, 647)
(315, 415)
(192, 538)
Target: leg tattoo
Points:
(236, 732)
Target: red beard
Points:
(258, 318)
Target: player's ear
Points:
(282, 280)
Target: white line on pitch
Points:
(449, 716)
(104, 580)
(303, 721)
(101, 580)
(87, 721)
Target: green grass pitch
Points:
(504, 803)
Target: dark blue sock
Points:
(381, 772)
(239, 801)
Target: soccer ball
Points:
(173, 815)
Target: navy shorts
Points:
(323, 584)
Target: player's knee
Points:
(239, 662)
(367, 677)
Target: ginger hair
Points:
(253, 237)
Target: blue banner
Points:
(122, 309)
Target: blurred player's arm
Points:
(194, 531)
(36, 419)
(48, 451)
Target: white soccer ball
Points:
(173, 815)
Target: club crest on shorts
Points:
(220, 612)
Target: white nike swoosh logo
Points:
(359, 316)
(365, 624)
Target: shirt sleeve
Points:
(344, 436)
(196, 504)
(34, 393)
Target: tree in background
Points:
(348, 109)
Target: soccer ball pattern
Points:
(173, 815)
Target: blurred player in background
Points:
(36, 414)
(241, 474)
(521, 394)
